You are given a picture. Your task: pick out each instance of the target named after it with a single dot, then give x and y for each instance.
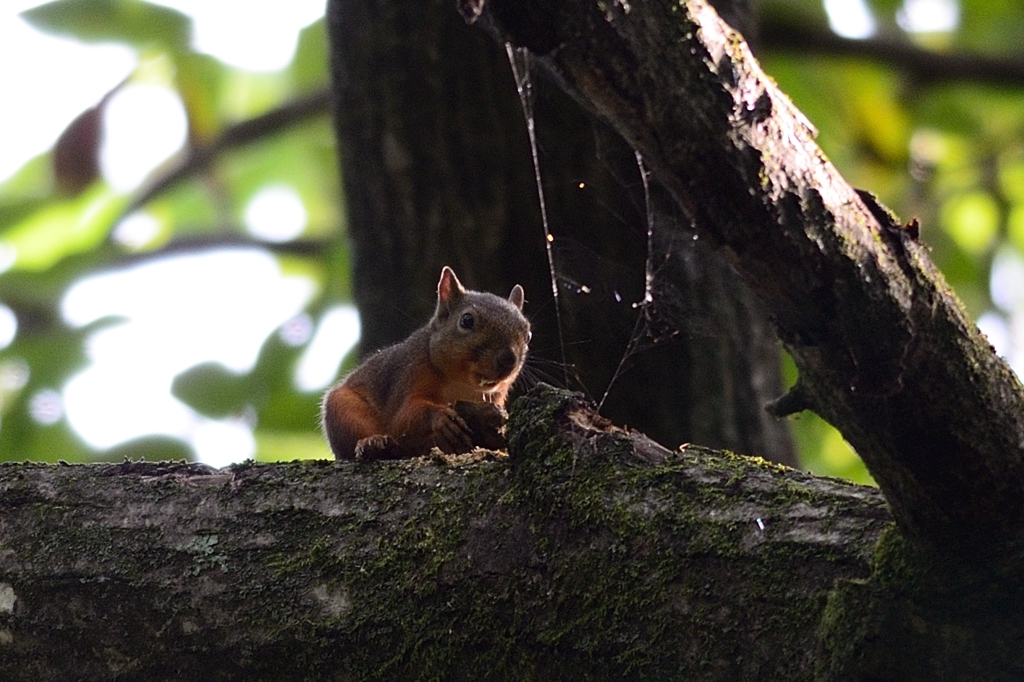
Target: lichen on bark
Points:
(588, 551)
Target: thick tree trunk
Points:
(438, 171)
(588, 553)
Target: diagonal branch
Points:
(885, 351)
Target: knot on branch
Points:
(795, 400)
(557, 426)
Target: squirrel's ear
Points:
(516, 297)
(449, 287)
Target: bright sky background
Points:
(853, 18)
(179, 311)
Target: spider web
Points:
(583, 276)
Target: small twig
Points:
(195, 243)
(924, 65)
(793, 401)
(197, 157)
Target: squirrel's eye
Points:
(466, 321)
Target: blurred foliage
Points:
(949, 152)
(59, 223)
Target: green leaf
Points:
(1011, 179)
(200, 79)
(34, 180)
(48, 354)
(302, 158)
(991, 25)
(32, 442)
(280, 406)
(186, 209)
(823, 450)
(285, 446)
(309, 66)
(132, 22)
(1015, 227)
(214, 390)
(885, 9)
(62, 228)
(246, 94)
(972, 220)
(796, 11)
(150, 448)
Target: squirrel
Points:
(400, 401)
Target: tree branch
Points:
(880, 341)
(230, 238)
(196, 158)
(924, 66)
(590, 553)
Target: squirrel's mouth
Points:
(488, 384)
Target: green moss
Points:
(619, 596)
(896, 565)
(571, 559)
(843, 630)
(885, 626)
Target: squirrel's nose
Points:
(506, 361)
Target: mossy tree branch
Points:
(589, 553)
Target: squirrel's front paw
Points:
(450, 432)
(486, 422)
(378, 447)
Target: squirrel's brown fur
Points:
(398, 403)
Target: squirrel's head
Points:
(480, 336)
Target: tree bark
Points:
(884, 349)
(437, 171)
(592, 552)
(588, 553)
